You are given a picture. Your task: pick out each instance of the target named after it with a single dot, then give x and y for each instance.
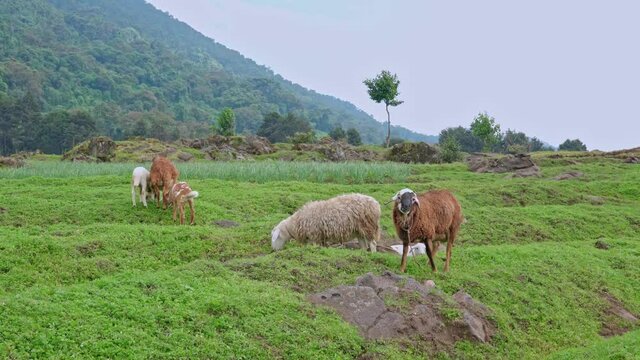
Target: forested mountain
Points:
(123, 68)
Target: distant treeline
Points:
(510, 141)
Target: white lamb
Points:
(140, 178)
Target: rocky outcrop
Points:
(231, 147)
(569, 175)
(97, 149)
(416, 153)
(11, 161)
(337, 151)
(393, 306)
(520, 165)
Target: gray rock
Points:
(569, 175)
(185, 156)
(359, 305)
(521, 165)
(412, 311)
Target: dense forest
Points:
(73, 68)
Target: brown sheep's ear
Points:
(416, 201)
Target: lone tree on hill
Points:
(572, 145)
(384, 88)
(225, 123)
(485, 127)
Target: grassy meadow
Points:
(83, 274)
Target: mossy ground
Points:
(83, 274)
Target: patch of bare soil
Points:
(391, 306)
(89, 249)
(225, 223)
(616, 320)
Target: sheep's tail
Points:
(135, 181)
(192, 195)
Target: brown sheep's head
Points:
(405, 199)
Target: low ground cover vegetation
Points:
(83, 274)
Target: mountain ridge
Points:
(129, 63)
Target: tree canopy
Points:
(384, 88)
(572, 145)
(278, 128)
(486, 128)
(225, 123)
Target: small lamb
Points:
(140, 178)
(181, 193)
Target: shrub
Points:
(450, 150)
(303, 138)
(353, 137)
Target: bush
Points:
(225, 123)
(395, 141)
(572, 145)
(417, 153)
(450, 150)
(278, 128)
(303, 138)
(353, 137)
(517, 149)
(337, 133)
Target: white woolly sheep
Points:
(333, 221)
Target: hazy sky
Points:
(553, 69)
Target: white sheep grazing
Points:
(333, 221)
(140, 178)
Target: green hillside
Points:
(133, 69)
(85, 275)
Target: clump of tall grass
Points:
(260, 172)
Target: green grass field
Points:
(85, 275)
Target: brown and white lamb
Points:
(181, 193)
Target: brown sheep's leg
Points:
(405, 251)
(450, 239)
(165, 196)
(429, 247)
(154, 192)
(193, 211)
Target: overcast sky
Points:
(553, 69)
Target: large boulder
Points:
(392, 306)
(219, 147)
(337, 151)
(521, 165)
(96, 149)
(14, 162)
(418, 153)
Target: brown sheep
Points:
(165, 174)
(428, 217)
